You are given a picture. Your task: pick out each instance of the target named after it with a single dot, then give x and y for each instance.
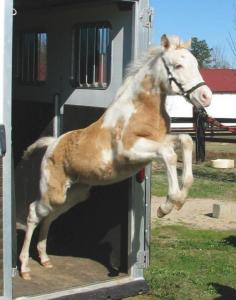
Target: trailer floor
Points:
(68, 272)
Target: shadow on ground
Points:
(231, 240)
(225, 292)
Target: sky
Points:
(210, 20)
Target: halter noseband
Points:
(184, 93)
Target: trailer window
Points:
(91, 56)
(31, 57)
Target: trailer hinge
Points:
(146, 17)
(142, 259)
(2, 140)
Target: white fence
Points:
(222, 106)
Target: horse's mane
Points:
(134, 67)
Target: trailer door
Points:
(5, 144)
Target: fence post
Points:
(199, 125)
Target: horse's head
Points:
(180, 72)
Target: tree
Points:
(202, 52)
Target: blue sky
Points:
(209, 20)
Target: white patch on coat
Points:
(143, 150)
(42, 209)
(107, 156)
(123, 106)
(45, 174)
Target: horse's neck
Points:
(124, 103)
(136, 91)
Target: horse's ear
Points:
(187, 44)
(165, 41)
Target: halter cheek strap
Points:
(184, 93)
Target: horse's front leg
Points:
(166, 151)
(186, 144)
(145, 150)
(177, 196)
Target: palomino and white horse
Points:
(132, 132)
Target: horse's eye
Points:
(177, 67)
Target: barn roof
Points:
(220, 80)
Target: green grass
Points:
(191, 264)
(220, 148)
(209, 183)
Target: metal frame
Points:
(139, 202)
(6, 11)
(75, 69)
(81, 96)
(80, 290)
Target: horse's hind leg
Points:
(43, 234)
(78, 193)
(36, 212)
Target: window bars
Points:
(31, 57)
(91, 56)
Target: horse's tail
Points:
(40, 143)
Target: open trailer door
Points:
(105, 254)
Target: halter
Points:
(184, 93)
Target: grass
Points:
(209, 183)
(189, 264)
(219, 148)
(194, 264)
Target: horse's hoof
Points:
(25, 275)
(160, 213)
(179, 205)
(47, 264)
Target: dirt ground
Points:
(198, 213)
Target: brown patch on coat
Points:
(150, 120)
(78, 156)
(148, 83)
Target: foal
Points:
(132, 132)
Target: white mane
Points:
(136, 71)
(135, 66)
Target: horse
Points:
(133, 131)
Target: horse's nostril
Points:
(206, 99)
(204, 96)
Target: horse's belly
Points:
(107, 174)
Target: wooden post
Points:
(199, 124)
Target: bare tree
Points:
(218, 59)
(231, 41)
(232, 44)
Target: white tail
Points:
(40, 143)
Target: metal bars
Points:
(91, 56)
(31, 57)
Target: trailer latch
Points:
(140, 176)
(2, 140)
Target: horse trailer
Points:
(61, 63)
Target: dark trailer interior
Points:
(69, 59)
